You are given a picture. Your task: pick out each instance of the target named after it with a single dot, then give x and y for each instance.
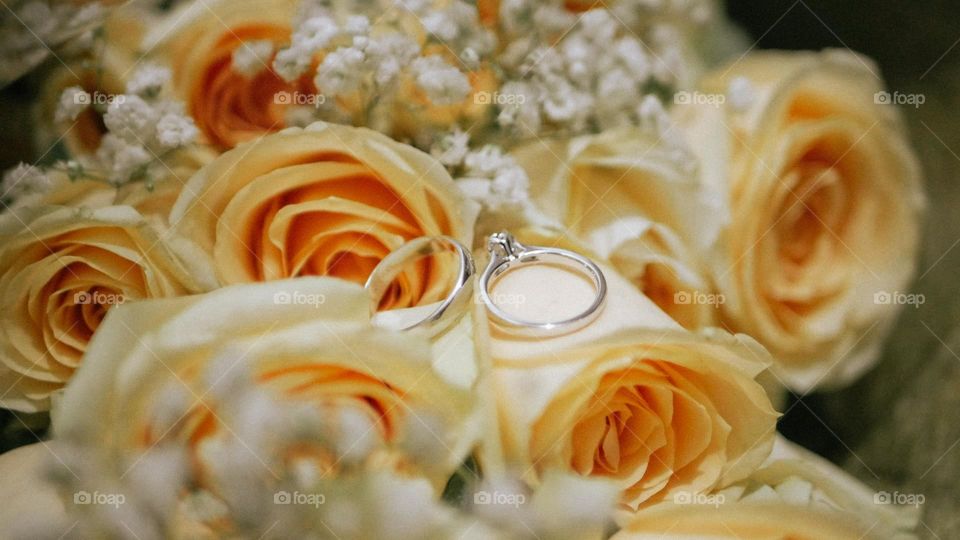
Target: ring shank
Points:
(534, 255)
(391, 266)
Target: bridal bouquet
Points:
(182, 271)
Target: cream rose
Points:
(31, 507)
(793, 475)
(306, 342)
(628, 196)
(744, 522)
(230, 105)
(633, 397)
(825, 201)
(325, 200)
(61, 270)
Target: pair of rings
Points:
(505, 254)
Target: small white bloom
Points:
(176, 130)
(253, 57)
(561, 106)
(340, 72)
(148, 80)
(485, 163)
(22, 180)
(652, 114)
(510, 185)
(443, 83)
(356, 25)
(742, 93)
(132, 119)
(452, 148)
(311, 37)
(291, 62)
(317, 32)
(388, 55)
(470, 57)
(72, 102)
(356, 435)
(123, 160)
(630, 52)
(440, 25)
(553, 18)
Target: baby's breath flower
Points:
(443, 83)
(741, 93)
(340, 72)
(123, 160)
(452, 148)
(72, 102)
(148, 80)
(131, 118)
(24, 179)
(253, 57)
(175, 130)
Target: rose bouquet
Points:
(183, 275)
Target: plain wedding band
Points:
(451, 307)
(506, 253)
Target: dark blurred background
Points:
(898, 428)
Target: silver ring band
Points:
(506, 253)
(393, 264)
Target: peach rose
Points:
(325, 200)
(31, 506)
(61, 270)
(228, 105)
(626, 196)
(631, 398)
(796, 476)
(744, 522)
(306, 342)
(825, 200)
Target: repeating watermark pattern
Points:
(98, 298)
(97, 98)
(106, 499)
(486, 498)
(698, 98)
(700, 499)
(307, 499)
(299, 98)
(502, 300)
(698, 298)
(897, 98)
(298, 298)
(896, 298)
(498, 98)
(903, 499)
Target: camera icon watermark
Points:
(897, 98)
(699, 499)
(308, 499)
(97, 98)
(299, 98)
(897, 298)
(902, 499)
(96, 498)
(498, 98)
(684, 97)
(698, 298)
(502, 300)
(498, 498)
(99, 298)
(297, 298)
